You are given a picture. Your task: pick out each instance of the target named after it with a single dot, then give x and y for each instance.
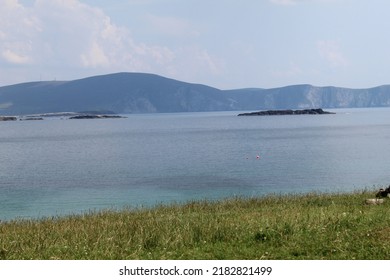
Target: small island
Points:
(64, 115)
(318, 111)
(7, 118)
(92, 116)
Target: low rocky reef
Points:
(31, 119)
(62, 115)
(318, 111)
(88, 117)
(8, 118)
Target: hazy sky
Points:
(222, 43)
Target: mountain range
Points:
(148, 93)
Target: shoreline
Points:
(307, 226)
(137, 208)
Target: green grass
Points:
(312, 226)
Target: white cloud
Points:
(16, 29)
(330, 51)
(94, 57)
(205, 58)
(15, 58)
(67, 36)
(10, 4)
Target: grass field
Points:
(312, 226)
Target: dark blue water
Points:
(59, 166)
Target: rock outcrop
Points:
(32, 119)
(7, 118)
(318, 111)
(374, 201)
(87, 117)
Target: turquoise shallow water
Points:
(59, 166)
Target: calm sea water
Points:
(59, 166)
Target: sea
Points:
(58, 166)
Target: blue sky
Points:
(222, 43)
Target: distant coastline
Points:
(130, 93)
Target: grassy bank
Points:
(314, 226)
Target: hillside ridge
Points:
(125, 93)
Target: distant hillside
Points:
(308, 96)
(148, 93)
(121, 93)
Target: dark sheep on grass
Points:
(383, 192)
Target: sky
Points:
(226, 44)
